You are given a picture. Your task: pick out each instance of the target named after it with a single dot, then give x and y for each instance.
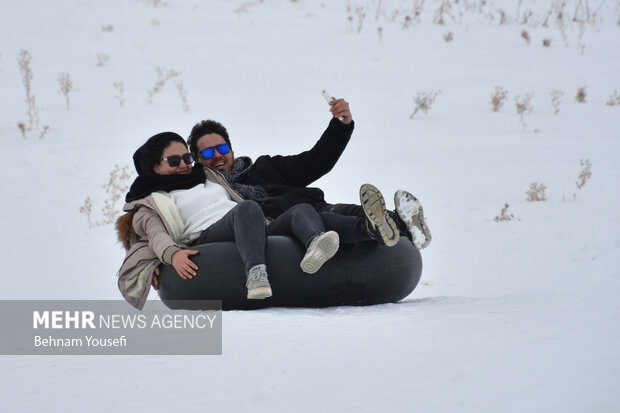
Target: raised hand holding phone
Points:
(340, 107)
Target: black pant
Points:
(245, 224)
(349, 221)
(301, 221)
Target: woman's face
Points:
(173, 149)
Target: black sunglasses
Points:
(209, 153)
(175, 160)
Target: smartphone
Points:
(329, 98)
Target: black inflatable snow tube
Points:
(364, 273)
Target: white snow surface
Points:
(519, 315)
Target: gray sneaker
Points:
(320, 250)
(380, 224)
(409, 209)
(258, 284)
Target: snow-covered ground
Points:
(518, 315)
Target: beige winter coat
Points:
(150, 231)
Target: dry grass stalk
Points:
(22, 128)
(536, 192)
(614, 99)
(581, 95)
(448, 37)
(503, 215)
(115, 188)
(407, 22)
(245, 6)
(358, 13)
(66, 85)
(43, 132)
(24, 60)
(378, 11)
(102, 59)
(526, 36)
(87, 209)
(414, 16)
(560, 18)
(526, 16)
(424, 101)
(524, 107)
(416, 10)
(580, 44)
(556, 99)
(164, 75)
(182, 95)
(445, 9)
(585, 174)
(585, 15)
(120, 88)
(497, 98)
(503, 17)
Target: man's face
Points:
(218, 161)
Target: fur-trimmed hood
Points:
(124, 229)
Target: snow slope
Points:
(519, 315)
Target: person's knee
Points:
(304, 210)
(250, 208)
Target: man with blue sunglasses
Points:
(279, 182)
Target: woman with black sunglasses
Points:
(172, 206)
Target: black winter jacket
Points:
(285, 178)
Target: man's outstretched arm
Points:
(306, 167)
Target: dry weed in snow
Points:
(556, 99)
(503, 215)
(524, 107)
(526, 36)
(497, 98)
(66, 85)
(163, 76)
(444, 10)
(115, 189)
(102, 59)
(182, 95)
(581, 95)
(120, 89)
(614, 99)
(585, 174)
(24, 60)
(424, 101)
(536, 192)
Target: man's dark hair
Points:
(203, 128)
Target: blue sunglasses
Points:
(208, 153)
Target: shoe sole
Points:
(410, 210)
(326, 248)
(259, 293)
(373, 205)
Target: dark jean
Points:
(244, 224)
(301, 221)
(349, 221)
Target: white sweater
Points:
(200, 207)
